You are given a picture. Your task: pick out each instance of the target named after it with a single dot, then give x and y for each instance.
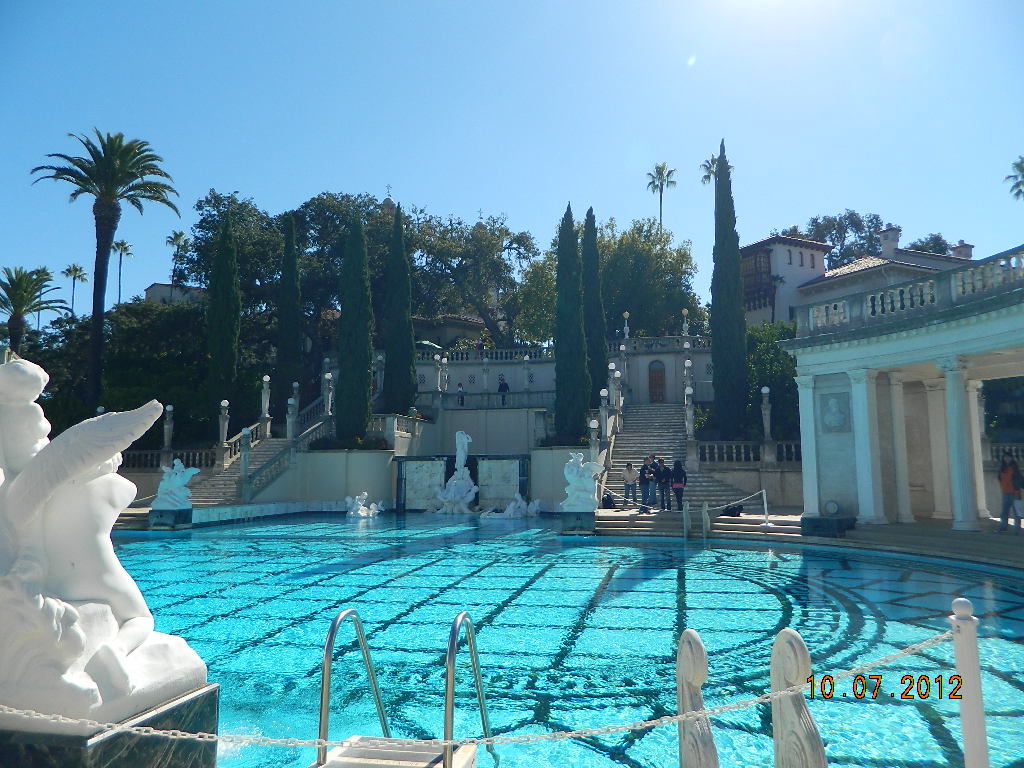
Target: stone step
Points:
(362, 752)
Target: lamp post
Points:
(168, 430)
(611, 381)
(290, 419)
(625, 325)
(444, 376)
(486, 370)
(688, 399)
(594, 445)
(766, 414)
(688, 373)
(223, 423)
(686, 322)
(380, 373)
(437, 364)
(603, 412)
(295, 394)
(526, 373)
(329, 394)
(618, 389)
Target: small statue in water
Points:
(581, 490)
(173, 491)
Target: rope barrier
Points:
(267, 741)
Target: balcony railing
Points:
(732, 452)
(481, 400)
(973, 281)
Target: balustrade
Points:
(731, 452)
(787, 452)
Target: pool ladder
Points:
(361, 751)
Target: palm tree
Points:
(122, 248)
(708, 167)
(658, 181)
(181, 244)
(76, 274)
(23, 292)
(1016, 179)
(113, 170)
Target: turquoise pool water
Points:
(572, 632)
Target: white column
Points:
(958, 432)
(899, 448)
(864, 418)
(808, 445)
(935, 399)
(974, 419)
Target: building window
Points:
(790, 251)
(812, 261)
(801, 258)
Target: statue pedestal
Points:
(193, 711)
(170, 518)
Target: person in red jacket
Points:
(1010, 484)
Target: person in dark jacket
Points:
(646, 482)
(664, 475)
(678, 482)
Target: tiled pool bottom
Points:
(572, 633)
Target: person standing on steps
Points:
(502, 387)
(462, 394)
(1010, 484)
(646, 477)
(629, 476)
(678, 482)
(664, 475)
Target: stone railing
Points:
(478, 400)
(232, 447)
(311, 413)
(788, 451)
(1015, 449)
(658, 343)
(730, 452)
(140, 461)
(492, 355)
(279, 463)
(915, 298)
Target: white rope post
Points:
(705, 521)
(968, 667)
(243, 464)
(764, 503)
(686, 519)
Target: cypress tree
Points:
(289, 319)
(593, 311)
(355, 333)
(399, 390)
(572, 379)
(728, 324)
(223, 317)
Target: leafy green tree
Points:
(593, 311)
(771, 366)
(223, 319)
(22, 292)
(645, 274)
(933, 243)
(290, 332)
(851, 235)
(258, 245)
(399, 390)
(355, 331)
(572, 377)
(473, 268)
(1016, 178)
(114, 170)
(728, 325)
(122, 248)
(76, 274)
(658, 180)
(537, 295)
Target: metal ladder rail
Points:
(325, 679)
(449, 686)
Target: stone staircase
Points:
(661, 429)
(628, 522)
(224, 487)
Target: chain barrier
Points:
(266, 741)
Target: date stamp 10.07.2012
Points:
(872, 687)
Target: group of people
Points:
(658, 482)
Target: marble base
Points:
(193, 711)
(826, 527)
(170, 518)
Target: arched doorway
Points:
(656, 381)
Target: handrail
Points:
(449, 686)
(325, 680)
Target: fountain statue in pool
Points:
(77, 638)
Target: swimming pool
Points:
(571, 633)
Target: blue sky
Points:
(908, 109)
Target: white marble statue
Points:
(173, 491)
(357, 507)
(76, 635)
(581, 489)
(460, 490)
(517, 508)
